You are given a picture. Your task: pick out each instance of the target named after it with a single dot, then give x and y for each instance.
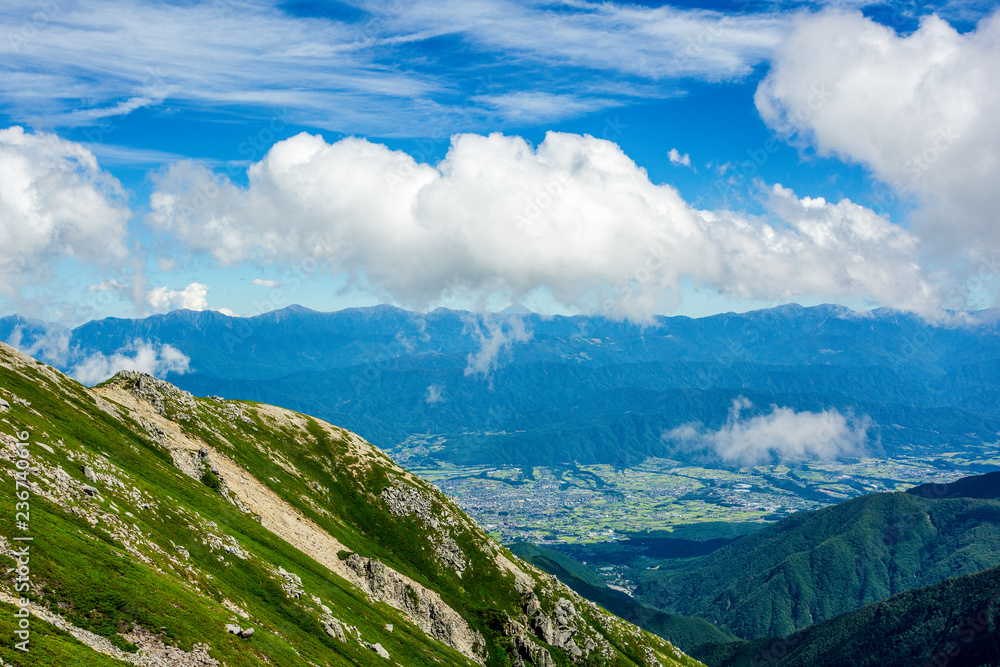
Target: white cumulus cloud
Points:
(574, 217)
(55, 202)
(192, 297)
(839, 250)
(919, 110)
(781, 435)
(140, 355)
(675, 157)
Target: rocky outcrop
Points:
(423, 607)
(532, 652)
(226, 543)
(291, 583)
(403, 500)
(154, 653)
(195, 463)
(448, 553)
(333, 627)
(189, 462)
(244, 633)
(559, 628)
(158, 393)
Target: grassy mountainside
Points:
(814, 566)
(955, 623)
(682, 631)
(159, 518)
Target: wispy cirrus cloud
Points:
(364, 73)
(540, 106)
(647, 42)
(91, 54)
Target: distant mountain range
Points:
(519, 388)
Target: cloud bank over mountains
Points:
(574, 216)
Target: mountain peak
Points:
(517, 309)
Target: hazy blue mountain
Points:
(580, 388)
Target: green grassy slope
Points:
(814, 566)
(50, 646)
(130, 547)
(682, 631)
(955, 623)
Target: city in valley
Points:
(603, 503)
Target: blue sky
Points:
(651, 158)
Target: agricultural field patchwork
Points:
(602, 503)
